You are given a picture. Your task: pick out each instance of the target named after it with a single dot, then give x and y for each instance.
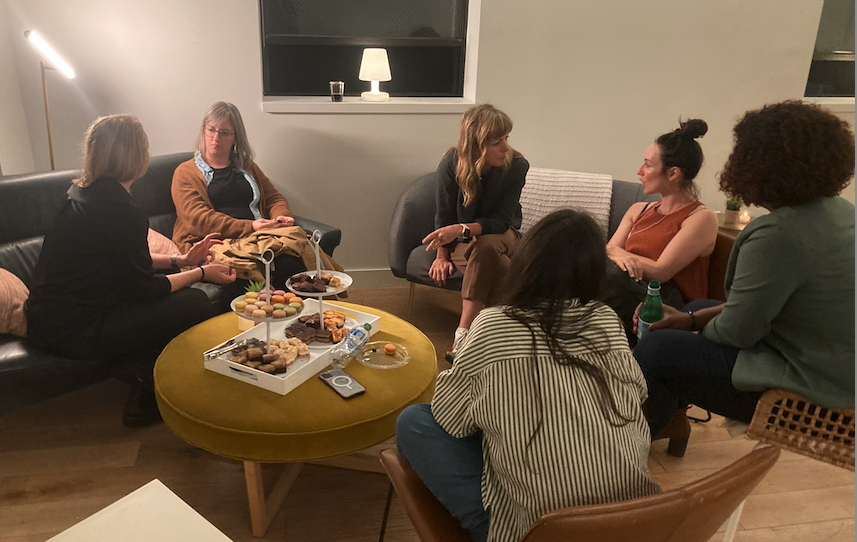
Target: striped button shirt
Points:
(578, 457)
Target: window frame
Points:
(395, 105)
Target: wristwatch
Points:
(174, 261)
(465, 231)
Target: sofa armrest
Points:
(330, 236)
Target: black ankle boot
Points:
(141, 409)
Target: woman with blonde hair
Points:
(223, 190)
(96, 293)
(478, 211)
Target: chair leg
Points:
(386, 514)
(410, 300)
(732, 524)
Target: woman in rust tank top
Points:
(669, 240)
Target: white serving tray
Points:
(303, 368)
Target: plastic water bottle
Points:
(349, 346)
(652, 309)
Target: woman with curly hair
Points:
(788, 321)
(478, 211)
(543, 407)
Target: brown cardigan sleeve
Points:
(196, 216)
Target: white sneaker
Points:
(460, 335)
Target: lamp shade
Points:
(48, 51)
(375, 66)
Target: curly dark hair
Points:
(789, 153)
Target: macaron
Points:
(239, 305)
(279, 306)
(268, 309)
(290, 311)
(278, 298)
(259, 313)
(279, 313)
(254, 295)
(390, 349)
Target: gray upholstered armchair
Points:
(413, 219)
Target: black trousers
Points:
(132, 334)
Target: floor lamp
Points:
(58, 64)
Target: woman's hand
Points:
(218, 273)
(284, 221)
(673, 319)
(440, 269)
(628, 263)
(200, 252)
(442, 236)
(265, 223)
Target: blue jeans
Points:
(683, 367)
(450, 467)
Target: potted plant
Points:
(733, 209)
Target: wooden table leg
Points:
(262, 511)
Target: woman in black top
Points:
(478, 211)
(96, 294)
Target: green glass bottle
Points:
(652, 309)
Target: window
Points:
(308, 43)
(832, 69)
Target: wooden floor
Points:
(65, 459)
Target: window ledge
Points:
(835, 104)
(354, 105)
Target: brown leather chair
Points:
(691, 513)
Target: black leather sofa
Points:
(28, 204)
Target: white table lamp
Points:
(375, 67)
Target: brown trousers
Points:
(485, 262)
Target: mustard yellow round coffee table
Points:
(240, 421)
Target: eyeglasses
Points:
(211, 131)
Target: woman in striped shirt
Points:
(542, 409)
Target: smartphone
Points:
(341, 383)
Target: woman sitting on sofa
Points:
(542, 408)
(670, 240)
(223, 190)
(478, 211)
(96, 293)
(788, 320)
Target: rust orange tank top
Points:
(651, 234)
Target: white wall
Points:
(15, 152)
(588, 84)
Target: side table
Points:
(239, 421)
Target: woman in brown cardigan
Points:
(223, 190)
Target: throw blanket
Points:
(237, 253)
(547, 190)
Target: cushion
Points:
(13, 294)
(548, 190)
(159, 244)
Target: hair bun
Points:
(693, 128)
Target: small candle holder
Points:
(744, 217)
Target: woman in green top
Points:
(788, 321)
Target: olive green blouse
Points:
(790, 303)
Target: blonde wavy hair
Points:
(115, 146)
(241, 153)
(480, 125)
